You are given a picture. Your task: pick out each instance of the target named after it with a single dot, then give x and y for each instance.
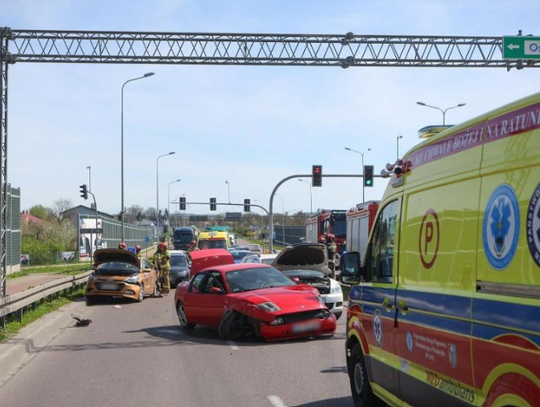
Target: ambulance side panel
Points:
(506, 307)
(437, 277)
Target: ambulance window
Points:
(380, 260)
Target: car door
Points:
(193, 299)
(148, 277)
(378, 296)
(212, 303)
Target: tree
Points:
(39, 211)
(133, 213)
(150, 213)
(61, 205)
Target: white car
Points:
(255, 248)
(307, 263)
(259, 258)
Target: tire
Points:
(182, 319)
(360, 388)
(228, 327)
(90, 301)
(141, 293)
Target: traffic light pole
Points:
(226, 204)
(271, 204)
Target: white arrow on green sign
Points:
(518, 47)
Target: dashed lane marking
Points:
(233, 345)
(276, 401)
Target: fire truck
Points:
(328, 221)
(359, 223)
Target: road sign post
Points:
(520, 47)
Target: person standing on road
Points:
(162, 259)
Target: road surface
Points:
(136, 355)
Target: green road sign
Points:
(518, 47)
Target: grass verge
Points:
(68, 270)
(11, 328)
(260, 242)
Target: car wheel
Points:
(361, 389)
(230, 326)
(90, 301)
(184, 324)
(337, 315)
(141, 293)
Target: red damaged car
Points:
(246, 299)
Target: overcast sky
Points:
(251, 126)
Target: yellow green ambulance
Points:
(445, 305)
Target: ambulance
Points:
(213, 240)
(445, 305)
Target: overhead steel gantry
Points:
(347, 50)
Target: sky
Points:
(249, 125)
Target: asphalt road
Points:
(137, 356)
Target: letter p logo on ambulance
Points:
(501, 227)
(429, 238)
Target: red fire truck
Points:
(359, 223)
(328, 221)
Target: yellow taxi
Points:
(120, 273)
(445, 306)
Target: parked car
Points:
(255, 248)
(259, 258)
(179, 267)
(307, 263)
(120, 273)
(238, 255)
(245, 299)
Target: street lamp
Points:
(157, 188)
(146, 75)
(441, 110)
(169, 197)
(310, 195)
(283, 211)
(362, 154)
(228, 190)
(397, 142)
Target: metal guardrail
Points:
(19, 302)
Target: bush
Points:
(41, 252)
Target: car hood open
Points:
(303, 256)
(108, 255)
(202, 259)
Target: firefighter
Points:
(162, 259)
(138, 249)
(332, 249)
(122, 246)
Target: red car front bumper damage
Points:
(312, 327)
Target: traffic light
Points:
(213, 205)
(84, 191)
(316, 176)
(246, 205)
(368, 175)
(182, 203)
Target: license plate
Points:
(109, 286)
(301, 328)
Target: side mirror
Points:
(216, 290)
(351, 271)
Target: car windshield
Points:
(212, 244)
(255, 279)
(115, 268)
(303, 273)
(339, 228)
(185, 237)
(178, 260)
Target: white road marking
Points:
(276, 401)
(232, 345)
